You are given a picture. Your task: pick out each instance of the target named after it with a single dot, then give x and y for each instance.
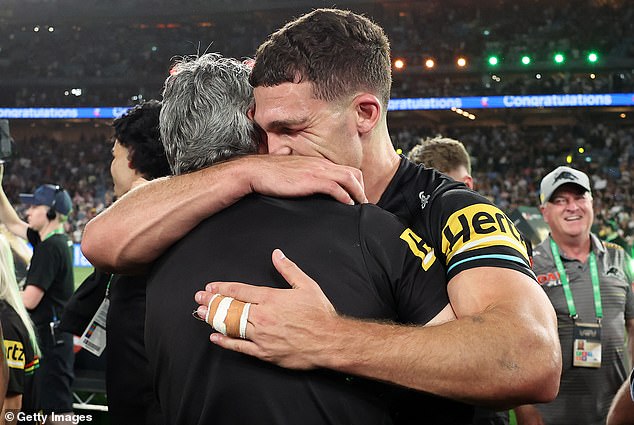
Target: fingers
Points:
(351, 182)
(290, 271)
(202, 314)
(239, 291)
(343, 183)
(282, 175)
(240, 345)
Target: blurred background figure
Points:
(49, 285)
(446, 155)
(20, 342)
(21, 254)
(589, 284)
(137, 156)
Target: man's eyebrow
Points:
(278, 124)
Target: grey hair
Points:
(204, 116)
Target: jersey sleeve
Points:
(15, 354)
(43, 268)
(401, 261)
(471, 232)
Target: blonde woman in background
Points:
(20, 343)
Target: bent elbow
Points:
(97, 249)
(548, 387)
(546, 375)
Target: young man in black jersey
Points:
(49, 285)
(322, 84)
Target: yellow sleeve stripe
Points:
(495, 240)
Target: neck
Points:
(50, 227)
(380, 163)
(575, 248)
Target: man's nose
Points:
(277, 146)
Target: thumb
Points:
(289, 270)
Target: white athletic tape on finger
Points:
(221, 315)
(209, 307)
(244, 318)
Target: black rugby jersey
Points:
(21, 360)
(463, 227)
(365, 261)
(463, 230)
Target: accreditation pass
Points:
(94, 337)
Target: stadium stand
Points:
(112, 55)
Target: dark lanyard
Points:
(594, 277)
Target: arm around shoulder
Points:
(503, 350)
(143, 223)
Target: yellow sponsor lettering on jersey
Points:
(14, 351)
(479, 226)
(419, 248)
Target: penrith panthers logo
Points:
(565, 175)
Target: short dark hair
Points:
(441, 153)
(339, 51)
(138, 131)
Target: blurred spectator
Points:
(589, 284)
(448, 156)
(125, 57)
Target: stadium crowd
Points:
(507, 165)
(87, 55)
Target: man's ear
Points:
(542, 209)
(369, 110)
(468, 180)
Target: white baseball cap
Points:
(560, 176)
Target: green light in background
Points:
(559, 58)
(493, 60)
(526, 60)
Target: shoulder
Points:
(59, 242)
(6, 311)
(612, 246)
(12, 325)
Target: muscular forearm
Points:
(147, 220)
(462, 359)
(142, 224)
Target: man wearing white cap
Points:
(49, 285)
(588, 282)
